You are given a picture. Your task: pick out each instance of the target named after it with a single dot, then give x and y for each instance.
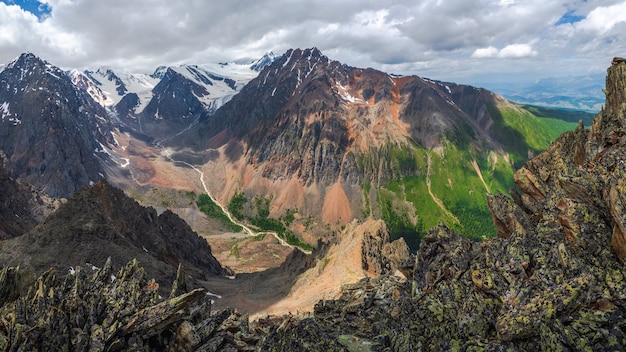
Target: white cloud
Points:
(21, 31)
(513, 51)
(15, 24)
(516, 51)
(487, 52)
(446, 40)
(603, 19)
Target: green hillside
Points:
(458, 192)
(568, 115)
(422, 187)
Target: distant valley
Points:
(584, 93)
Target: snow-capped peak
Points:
(87, 84)
(221, 81)
(266, 60)
(216, 83)
(159, 72)
(116, 84)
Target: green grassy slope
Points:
(456, 183)
(568, 115)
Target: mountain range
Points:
(309, 135)
(551, 279)
(571, 92)
(343, 143)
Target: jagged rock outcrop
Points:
(110, 310)
(100, 222)
(380, 255)
(374, 238)
(554, 277)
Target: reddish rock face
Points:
(327, 129)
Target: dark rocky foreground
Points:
(112, 311)
(553, 279)
(100, 222)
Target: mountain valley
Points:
(334, 143)
(570, 92)
(306, 144)
(324, 201)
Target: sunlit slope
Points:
(452, 190)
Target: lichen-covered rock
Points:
(374, 238)
(399, 255)
(9, 284)
(107, 311)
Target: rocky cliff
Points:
(16, 215)
(51, 132)
(101, 222)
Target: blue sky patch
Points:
(41, 10)
(569, 17)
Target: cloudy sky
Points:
(455, 40)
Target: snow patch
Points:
(102, 149)
(221, 82)
(108, 87)
(288, 59)
(117, 143)
(51, 71)
(343, 92)
(5, 114)
(15, 121)
(4, 110)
